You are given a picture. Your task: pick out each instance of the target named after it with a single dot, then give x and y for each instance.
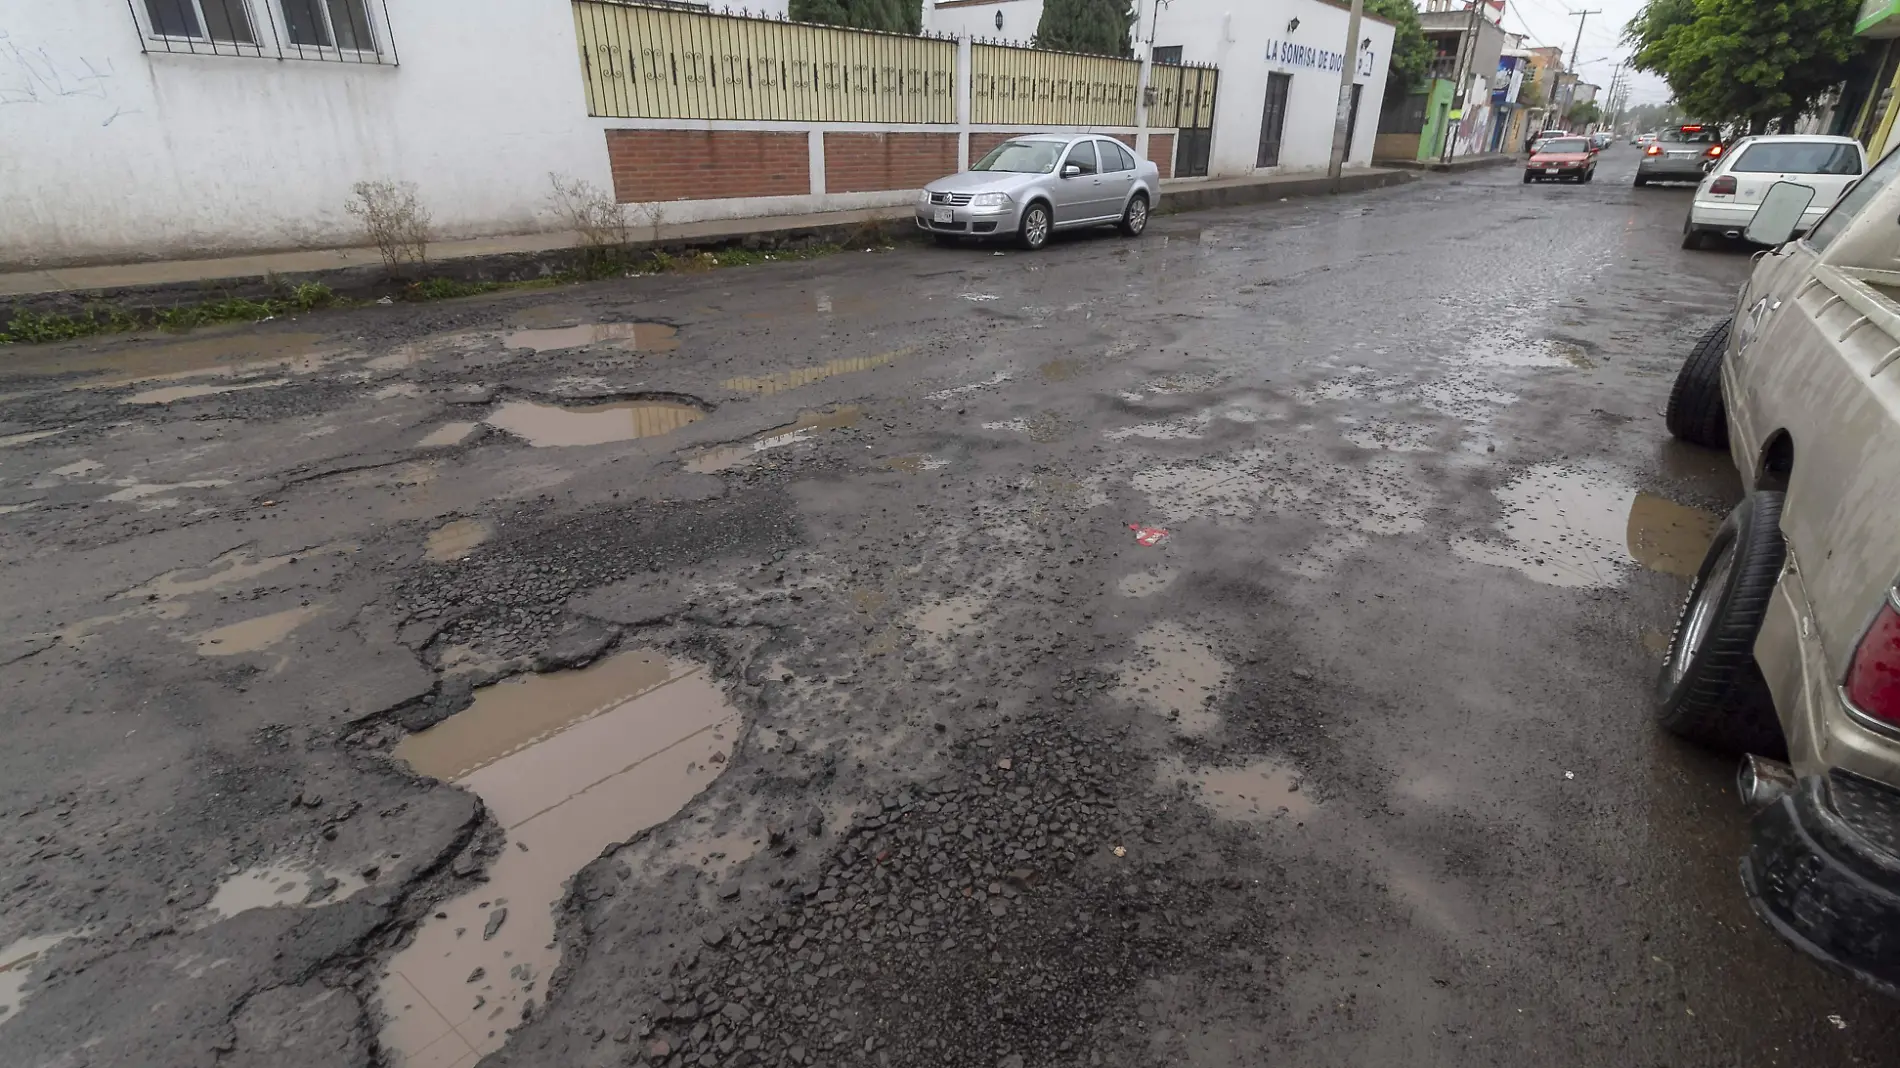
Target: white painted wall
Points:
(1020, 19)
(112, 154)
(1250, 41)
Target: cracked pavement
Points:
(1221, 648)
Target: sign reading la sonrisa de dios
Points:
(1299, 55)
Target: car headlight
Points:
(923, 196)
(990, 200)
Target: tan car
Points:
(1788, 648)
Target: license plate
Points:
(944, 215)
(1550, 170)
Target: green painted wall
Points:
(1431, 140)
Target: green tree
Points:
(892, 16)
(1098, 27)
(1411, 53)
(1584, 114)
(1745, 60)
(1530, 94)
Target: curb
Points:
(368, 282)
(1469, 163)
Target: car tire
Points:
(1135, 216)
(1695, 413)
(1527, 178)
(1033, 232)
(1641, 181)
(1710, 690)
(1693, 239)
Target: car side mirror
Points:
(1779, 214)
(1071, 170)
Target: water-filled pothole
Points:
(634, 337)
(568, 763)
(551, 425)
(780, 381)
(1583, 527)
(721, 457)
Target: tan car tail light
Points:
(1653, 150)
(1873, 676)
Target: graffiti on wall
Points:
(34, 75)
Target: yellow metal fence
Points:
(669, 63)
(1031, 87)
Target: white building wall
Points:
(1249, 42)
(110, 151)
(959, 18)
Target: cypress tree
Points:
(1099, 27)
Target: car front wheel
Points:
(1710, 690)
(1527, 177)
(1695, 413)
(1135, 217)
(1034, 231)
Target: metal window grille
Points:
(335, 31)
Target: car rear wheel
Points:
(1034, 231)
(1695, 412)
(1135, 216)
(1641, 181)
(1710, 690)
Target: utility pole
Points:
(1467, 48)
(1576, 50)
(1348, 76)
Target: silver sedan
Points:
(1028, 187)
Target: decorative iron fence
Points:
(1033, 87)
(1183, 97)
(648, 62)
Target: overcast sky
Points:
(1548, 23)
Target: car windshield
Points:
(1691, 135)
(1815, 157)
(1564, 144)
(1027, 157)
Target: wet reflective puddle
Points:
(723, 457)
(168, 394)
(255, 635)
(1255, 792)
(551, 425)
(632, 337)
(17, 961)
(452, 541)
(1177, 674)
(445, 435)
(283, 884)
(568, 763)
(144, 360)
(805, 376)
(1584, 528)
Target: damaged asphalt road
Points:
(876, 720)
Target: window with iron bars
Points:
(340, 31)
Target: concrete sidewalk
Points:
(523, 256)
(1458, 163)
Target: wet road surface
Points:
(1224, 648)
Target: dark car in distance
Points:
(1560, 158)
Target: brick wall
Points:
(1161, 150)
(861, 163)
(705, 165)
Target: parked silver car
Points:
(1029, 187)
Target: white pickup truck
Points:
(1788, 647)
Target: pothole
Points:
(1251, 793)
(454, 540)
(805, 376)
(1584, 528)
(446, 435)
(168, 394)
(1176, 674)
(568, 763)
(551, 425)
(284, 884)
(255, 635)
(633, 337)
(17, 961)
(723, 457)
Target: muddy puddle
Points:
(454, 540)
(551, 425)
(1499, 348)
(168, 394)
(255, 635)
(17, 962)
(1252, 793)
(1176, 674)
(146, 359)
(284, 884)
(446, 435)
(781, 381)
(1586, 527)
(631, 337)
(724, 457)
(568, 764)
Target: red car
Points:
(1562, 157)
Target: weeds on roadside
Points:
(33, 328)
(448, 289)
(395, 220)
